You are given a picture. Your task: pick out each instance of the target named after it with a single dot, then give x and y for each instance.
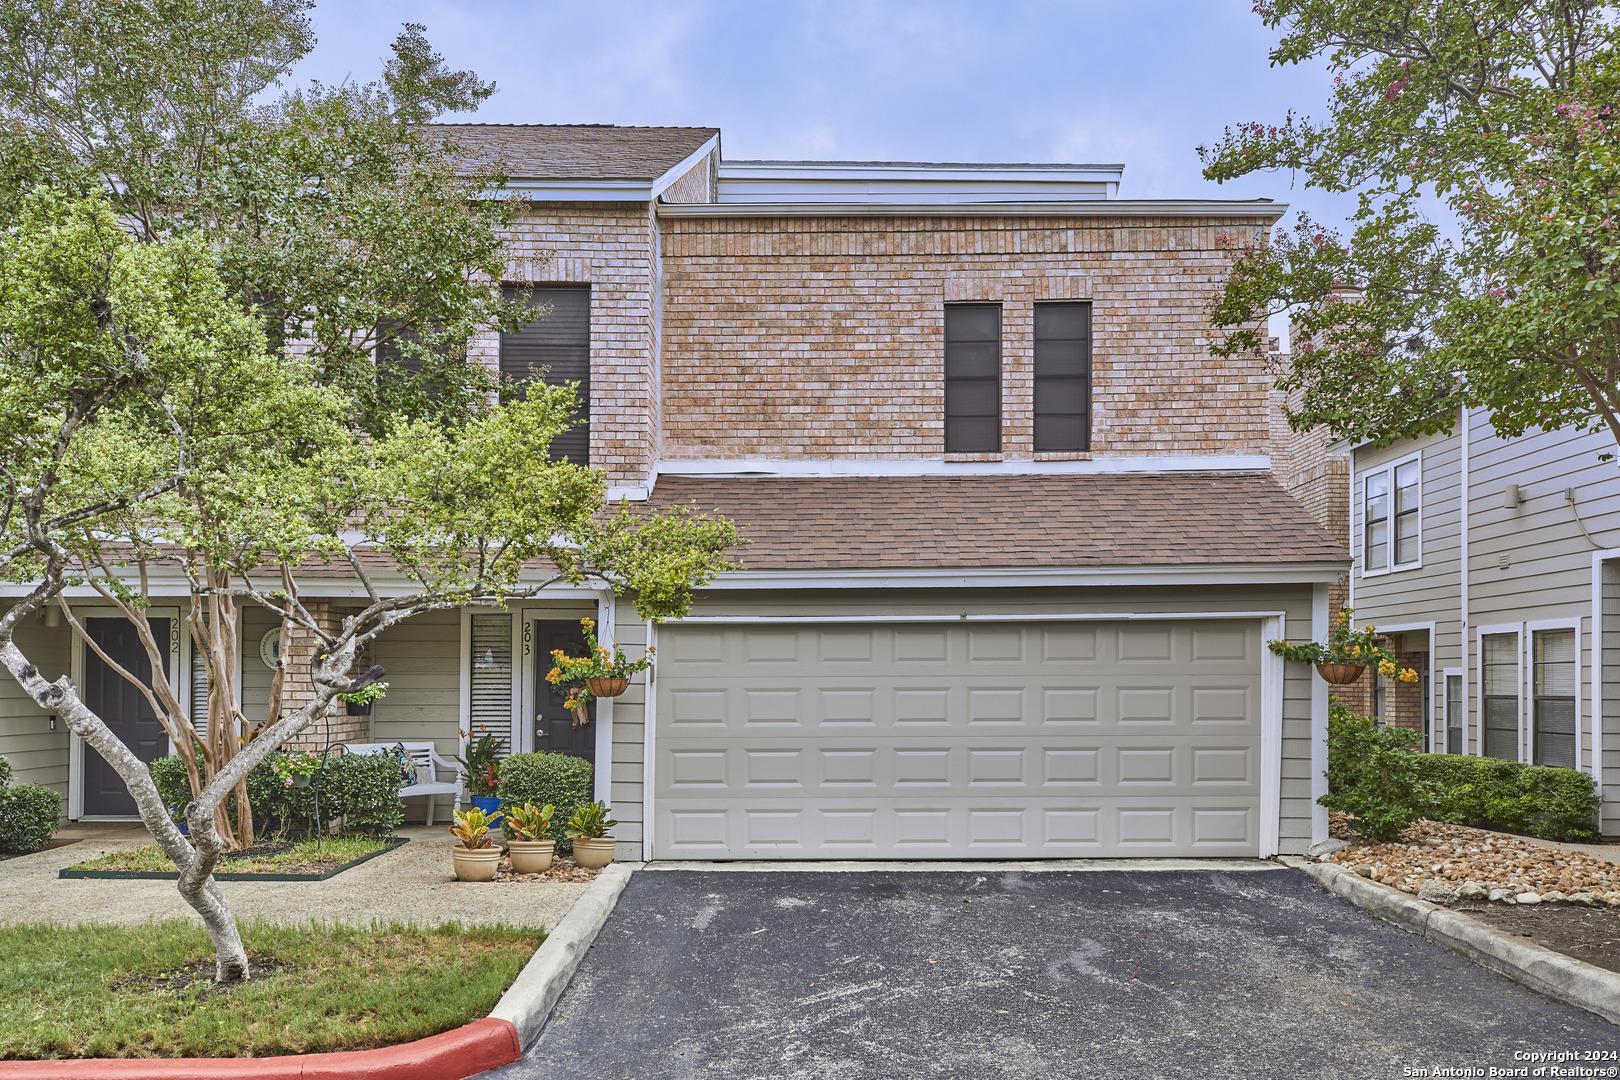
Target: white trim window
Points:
(1392, 517)
(1499, 695)
(1554, 702)
(1454, 743)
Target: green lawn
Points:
(301, 859)
(134, 991)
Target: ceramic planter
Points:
(530, 856)
(607, 687)
(475, 864)
(594, 853)
(1340, 674)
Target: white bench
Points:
(425, 758)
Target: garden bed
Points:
(147, 991)
(562, 868)
(299, 862)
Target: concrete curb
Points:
(453, 1055)
(527, 1003)
(1586, 986)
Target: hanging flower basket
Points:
(607, 686)
(1340, 674)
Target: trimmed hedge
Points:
(564, 781)
(28, 813)
(362, 788)
(1538, 800)
(1373, 775)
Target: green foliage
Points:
(1346, 645)
(169, 774)
(589, 822)
(1500, 110)
(1373, 774)
(530, 822)
(1553, 803)
(28, 813)
(560, 780)
(598, 662)
(482, 765)
(361, 788)
(471, 828)
(366, 695)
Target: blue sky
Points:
(1142, 82)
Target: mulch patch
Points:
(1583, 933)
(196, 978)
(4, 855)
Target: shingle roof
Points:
(1010, 521)
(578, 151)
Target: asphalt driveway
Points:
(1005, 974)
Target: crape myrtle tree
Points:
(145, 426)
(1499, 115)
(333, 218)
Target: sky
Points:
(1141, 83)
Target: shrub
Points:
(562, 780)
(28, 813)
(1373, 774)
(364, 788)
(1540, 800)
(169, 774)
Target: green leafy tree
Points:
(1504, 113)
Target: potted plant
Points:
(531, 847)
(601, 672)
(475, 857)
(593, 849)
(482, 767)
(1346, 654)
(359, 703)
(294, 770)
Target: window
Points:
(492, 677)
(1062, 377)
(1454, 714)
(1392, 517)
(1380, 701)
(972, 378)
(556, 347)
(1499, 664)
(1554, 671)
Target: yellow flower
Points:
(1386, 668)
(1355, 650)
(1409, 675)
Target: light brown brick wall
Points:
(823, 337)
(299, 690)
(696, 186)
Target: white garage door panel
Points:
(940, 740)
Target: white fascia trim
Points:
(819, 467)
(930, 578)
(336, 588)
(1080, 208)
(634, 493)
(638, 191)
(661, 185)
(1022, 616)
(912, 170)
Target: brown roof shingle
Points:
(577, 151)
(1009, 521)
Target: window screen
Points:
(1454, 714)
(1553, 686)
(1062, 377)
(1375, 548)
(1500, 724)
(557, 345)
(972, 378)
(492, 677)
(1408, 516)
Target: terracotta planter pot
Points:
(594, 854)
(530, 856)
(607, 687)
(1340, 674)
(475, 864)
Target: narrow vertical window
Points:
(1499, 660)
(1554, 665)
(492, 677)
(972, 378)
(556, 347)
(1408, 513)
(1062, 377)
(1380, 701)
(1375, 545)
(1454, 714)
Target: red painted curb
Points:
(453, 1055)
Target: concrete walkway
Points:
(414, 883)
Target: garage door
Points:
(957, 740)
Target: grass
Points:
(301, 859)
(145, 991)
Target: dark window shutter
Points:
(1062, 377)
(972, 378)
(559, 344)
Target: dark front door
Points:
(554, 730)
(124, 709)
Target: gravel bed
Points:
(1444, 863)
(562, 868)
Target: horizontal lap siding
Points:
(629, 740)
(422, 658)
(37, 754)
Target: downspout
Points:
(1462, 567)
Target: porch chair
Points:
(428, 765)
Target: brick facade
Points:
(299, 689)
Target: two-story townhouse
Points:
(1015, 546)
(1489, 562)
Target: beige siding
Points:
(629, 740)
(38, 754)
(423, 659)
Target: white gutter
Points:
(1080, 208)
(878, 467)
(663, 183)
(1042, 577)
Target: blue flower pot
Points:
(489, 804)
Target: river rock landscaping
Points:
(562, 868)
(1446, 863)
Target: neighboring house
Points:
(1015, 545)
(1504, 648)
